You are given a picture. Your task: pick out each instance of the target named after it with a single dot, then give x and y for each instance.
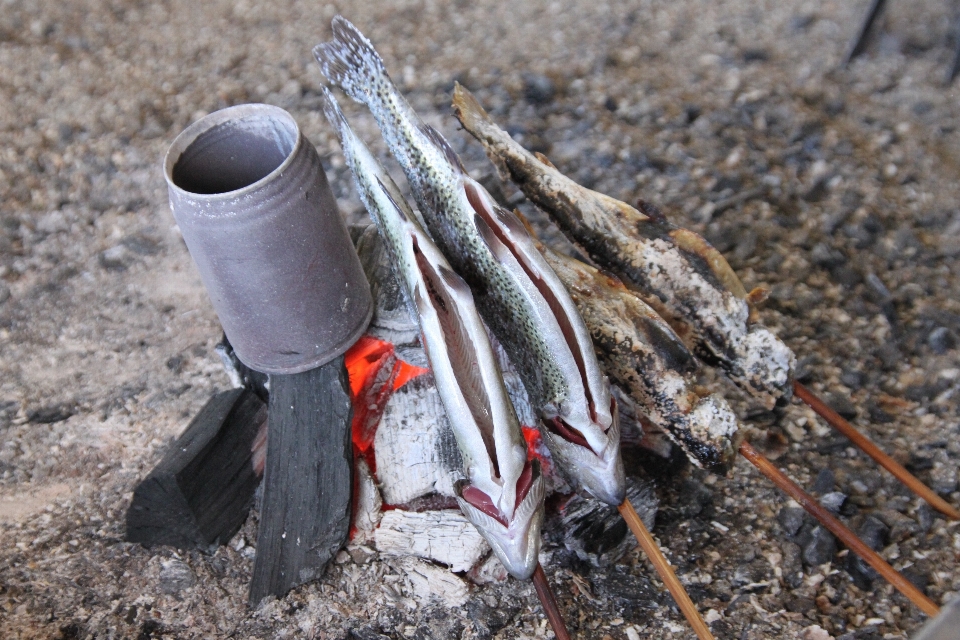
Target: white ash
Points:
(368, 504)
(430, 584)
(415, 449)
(444, 536)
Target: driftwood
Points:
(200, 493)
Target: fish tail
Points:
(350, 61)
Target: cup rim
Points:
(208, 122)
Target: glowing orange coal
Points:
(375, 373)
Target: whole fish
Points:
(643, 356)
(674, 270)
(517, 294)
(503, 493)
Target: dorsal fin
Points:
(651, 211)
(441, 143)
(393, 201)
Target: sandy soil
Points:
(836, 188)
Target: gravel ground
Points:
(837, 189)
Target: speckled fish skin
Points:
(517, 294)
(674, 270)
(642, 355)
(469, 382)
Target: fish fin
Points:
(490, 238)
(393, 195)
(480, 519)
(534, 498)
(441, 143)
(350, 61)
(526, 225)
(453, 280)
(331, 109)
(652, 211)
(544, 159)
(462, 352)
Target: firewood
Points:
(445, 536)
(201, 491)
(305, 514)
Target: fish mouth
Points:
(515, 539)
(599, 474)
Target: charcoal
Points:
(595, 532)
(201, 491)
(305, 517)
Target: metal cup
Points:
(254, 207)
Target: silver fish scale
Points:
(498, 298)
(437, 187)
(436, 179)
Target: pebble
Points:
(833, 501)
(820, 547)
(4, 293)
(791, 519)
(940, 339)
(175, 576)
(538, 89)
(825, 482)
(853, 379)
(841, 404)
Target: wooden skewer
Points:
(649, 546)
(549, 602)
(837, 528)
(872, 450)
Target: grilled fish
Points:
(642, 355)
(674, 270)
(503, 493)
(517, 294)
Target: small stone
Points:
(833, 501)
(791, 519)
(822, 255)
(821, 548)
(874, 534)
(842, 405)
(825, 481)
(877, 414)
(940, 339)
(538, 88)
(4, 293)
(943, 477)
(853, 379)
(694, 496)
(115, 258)
(50, 414)
(791, 564)
(815, 632)
(901, 526)
(889, 356)
(175, 364)
(175, 576)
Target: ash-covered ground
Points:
(838, 189)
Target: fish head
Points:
(596, 469)
(515, 539)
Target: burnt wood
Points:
(201, 491)
(305, 512)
